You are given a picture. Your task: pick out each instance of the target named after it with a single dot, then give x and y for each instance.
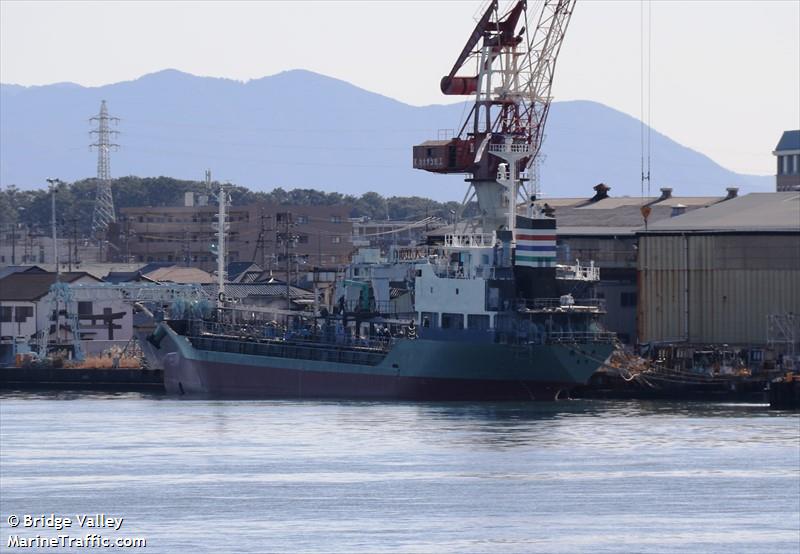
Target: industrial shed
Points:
(714, 275)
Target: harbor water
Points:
(284, 476)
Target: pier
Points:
(61, 378)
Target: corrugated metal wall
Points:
(735, 281)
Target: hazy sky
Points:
(725, 75)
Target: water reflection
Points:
(299, 476)
(65, 394)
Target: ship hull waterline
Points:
(412, 370)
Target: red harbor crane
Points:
(511, 80)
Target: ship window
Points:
(504, 323)
(5, 313)
(429, 319)
(627, 299)
(493, 301)
(84, 308)
(477, 321)
(456, 291)
(452, 321)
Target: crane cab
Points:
(445, 156)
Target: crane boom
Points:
(512, 95)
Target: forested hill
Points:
(75, 201)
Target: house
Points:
(26, 313)
(243, 272)
(176, 274)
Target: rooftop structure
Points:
(787, 154)
(33, 285)
(756, 212)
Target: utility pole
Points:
(286, 239)
(14, 243)
(104, 201)
(69, 246)
(127, 230)
(222, 227)
(75, 240)
(53, 189)
(72, 243)
(187, 248)
(261, 242)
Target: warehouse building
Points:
(603, 229)
(717, 275)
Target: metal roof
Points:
(9, 269)
(689, 200)
(612, 203)
(235, 269)
(118, 277)
(274, 289)
(592, 230)
(558, 202)
(26, 286)
(759, 211)
(790, 140)
(434, 143)
(179, 274)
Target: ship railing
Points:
(564, 303)
(470, 240)
(298, 350)
(578, 272)
(451, 271)
(568, 337)
(382, 307)
(516, 148)
(301, 337)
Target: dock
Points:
(784, 393)
(105, 379)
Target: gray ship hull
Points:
(413, 370)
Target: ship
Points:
(479, 311)
(468, 332)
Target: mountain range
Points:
(299, 129)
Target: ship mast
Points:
(222, 227)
